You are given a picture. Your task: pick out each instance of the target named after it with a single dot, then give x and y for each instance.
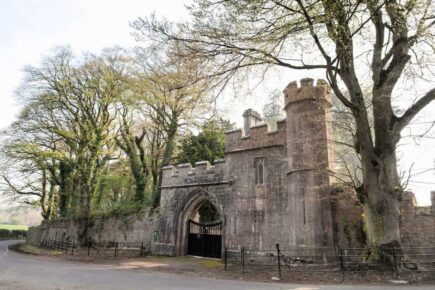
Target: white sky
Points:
(30, 28)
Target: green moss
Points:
(210, 263)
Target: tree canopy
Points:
(95, 130)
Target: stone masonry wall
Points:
(136, 228)
(417, 224)
(259, 137)
(259, 215)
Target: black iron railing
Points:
(279, 262)
(110, 249)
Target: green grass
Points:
(13, 227)
(30, 249)
(211, 263)
(36, 250)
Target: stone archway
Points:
(191, 205)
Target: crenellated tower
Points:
(310, 161)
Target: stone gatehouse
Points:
(270, 188)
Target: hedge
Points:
(5, 234)
(14, 234)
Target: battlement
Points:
(259, 136)
(186, 174)
(409, 203)
(307, 91)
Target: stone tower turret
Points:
(309, 161)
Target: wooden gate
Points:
(205, 239)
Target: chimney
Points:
(251, 118)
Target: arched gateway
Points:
(193, 210)
(199, 227)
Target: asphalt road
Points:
(24, 272)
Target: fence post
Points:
(278, 253)
(89, 247)
(116, 250)
(340, 251)
(243, 259)
(225, 258)
(395, 267)
(141, 250)
(73, 246)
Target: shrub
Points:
(19, 234)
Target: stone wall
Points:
(259, 137)
(259, 215)
(256, 218)
(417, 224)
(135, 228)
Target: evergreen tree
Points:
(208, 145)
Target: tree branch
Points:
(404, 120)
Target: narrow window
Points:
(259, 170)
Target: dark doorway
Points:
(205, 239)
(205, 232)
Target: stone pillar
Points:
(309, 161)
(250, 118)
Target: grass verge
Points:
(33, 250)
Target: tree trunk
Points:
(139, 170)
(381, 204)
(42, 201)
(141, 184)
(166, 158)
(65, 187)
(382, 216)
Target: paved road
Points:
(25, 272)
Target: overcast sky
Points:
(30, 28)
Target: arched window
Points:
(259, 170)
